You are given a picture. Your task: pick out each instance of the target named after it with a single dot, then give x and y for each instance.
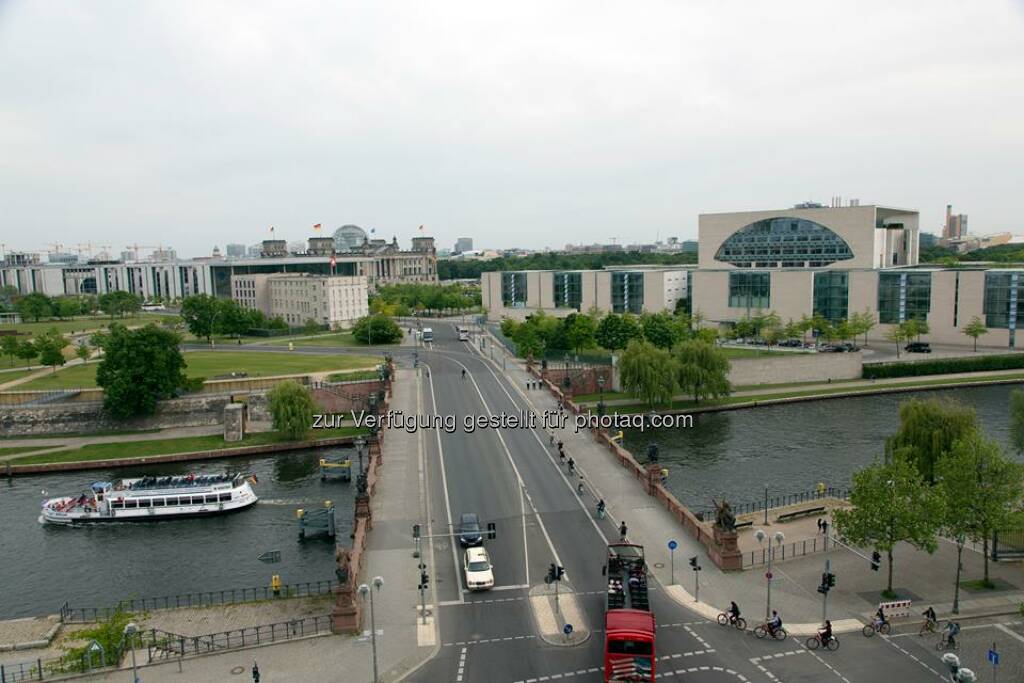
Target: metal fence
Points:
(229, 596)
(778, 501)
(1008, 544)
(787, 550)
(162, 644)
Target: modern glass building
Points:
(568, 290)
(627, 292)
(832, 294)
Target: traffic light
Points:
(876, 560)
(693, 563)
(424, 581)
(415, 530)
(492, 531)
(560, 573)
(830, 580)
(552, 574)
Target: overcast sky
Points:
(532, 124)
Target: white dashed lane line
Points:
(462, 665)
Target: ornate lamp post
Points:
(130, 630)
(360, 445)
(600, 388)
(364, 590)
(761, 536)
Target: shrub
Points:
(941, 366)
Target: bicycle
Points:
(875, 627)
(778, 634)
(725, 619)
(814, 641)
(928, 626)
(944, 643)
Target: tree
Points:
(231, 319)
(897, 334)
(975, 329)
(199, 313)
(579, 331)
(702, 370)
(311, 326)
(83, 352)
(661, 329)
(793, 330)
(376, 329)
(50, 347)
(119, 303)
(648, 372)
(34, 306)
(891, 503)
(822, 326)
(928, 429)
(139, 368)
(9, 347)
(291, 409)
(67, 307)
(1016, 420)
(864, 323)
(26, 351)
(609, 333)
(982, 489)
(528, 340)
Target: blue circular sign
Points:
(672, 545)
(567, 629)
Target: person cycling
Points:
(774, 624)
(825, 633)
(600, 509)
(734, 612)
(572, 464)
(930, 620)
(463, 373)
(622, 530)
(952, 630)
(879, 617)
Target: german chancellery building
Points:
(829, 260)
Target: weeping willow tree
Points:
(702, 370)
(648, 372)
(928, 430)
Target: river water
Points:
(41, 567)
(791, 448)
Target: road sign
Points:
(993, 657)
(767, 575)
(672, 545)
(567, 629)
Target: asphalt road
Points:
(511, 477)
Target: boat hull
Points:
(65, 519)
(66, 511)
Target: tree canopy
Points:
(376, 329)
(928, 428)
(648, 372)
(139, 368)
(702, 370)
(291, 409)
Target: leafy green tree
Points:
(139, 368)
(67, 307)
(231, 319)
(50, 347)
(793, 330)
(702, 370)
(27, 351)
(975, 329)
(291, 409)
(891, 503)
(609, 333)
(863, 323)
(897, 334)
(376, 329)
(528, 340)
(648, 372)
(199, 314)
(579, 331)
(823, 327)
(928, 429)
(119, 304)
(844, 330)
(1016, 420)
(9, 347)
(806, 325)
(312, 327)
(661, 329)
(83, 352)
(34, 306)
(8, 293)
(708, 335)
(982, 489)
(745, 328)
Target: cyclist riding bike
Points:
(774, 624)
(880, 618)
(930, 621)
(463, 373)
(825, 633)
(600, 509)
(952, 631)
(572, 464)
(734, 612)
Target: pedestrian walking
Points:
(255, 673)
(824, 526)
(819, 525)
(572, 465)
(622, 530)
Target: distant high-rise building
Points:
(956, 225)
(235, 250)
(463, 244)
(254, 250)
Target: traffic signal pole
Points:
(824, 595)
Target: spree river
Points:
(792, 447)
(96, 565)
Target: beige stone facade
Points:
(336, 301)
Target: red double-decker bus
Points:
(629, 653)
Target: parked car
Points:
(791, 343)
(469, 530)
(918, 347)
(828, 348)
(847, 347)
(478, 568)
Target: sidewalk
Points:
(401, 646)
(927, 578)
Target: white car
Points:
(479, 574)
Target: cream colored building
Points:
(335, 300)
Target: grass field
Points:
(142, 449)
(210, 364)
(353, 376)
(332, 339)
(14, 450)
(105, 432)
(84, 324)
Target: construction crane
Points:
(134, 248)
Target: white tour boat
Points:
(152, 498)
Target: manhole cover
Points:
(659, 565)
(237, 670)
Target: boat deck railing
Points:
(177, 482)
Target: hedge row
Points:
(942, 366)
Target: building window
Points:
(1004, 300)
(513, 290)
(903, 296)
(568, 290)
(750, 290)
(832, 295)
(785, 242)
(627, 292)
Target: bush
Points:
(376, 329)
(941, 366)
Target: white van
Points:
(463, 334)
(428, 335)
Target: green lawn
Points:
(731, 352)
(353, 376)
(332, 339)
(143, 449)
(105, 432)
(21, 449)
(612, 395)
(210, 364)
(83, 324)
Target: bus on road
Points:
(463, 334)
(428, 335)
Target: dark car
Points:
(917, 347)
(791, 343)
(469, 530)
(848, 347)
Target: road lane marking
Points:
(444, 485)
(462, 665)
(919, 661)
(1012, 634)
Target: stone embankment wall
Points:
(788, 368)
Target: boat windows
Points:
(131, 503)
(117, 504)
(209, 499)
(158, 502)
(225, 497)
(144, 502)
(172, 500)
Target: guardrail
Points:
(787, 550)
(163, 644)
(70, 615)
(708, 513)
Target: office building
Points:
(956, 225)
(336, 301)
(463, 244)
(235, 250)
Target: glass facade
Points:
(1004, 303)
(903, 296)
(832, 295)
(627, 292)
(513, 290)
(750, 290)
(568, 290)
(785, 243)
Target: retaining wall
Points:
(782, 367)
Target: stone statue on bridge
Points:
(724, 517)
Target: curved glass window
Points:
(783, 242)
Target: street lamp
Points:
(761, 536)
(960, 541)
(360, 444)
(130, 629)
(364, 590)
(600, 387)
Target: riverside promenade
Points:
(926, 579)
